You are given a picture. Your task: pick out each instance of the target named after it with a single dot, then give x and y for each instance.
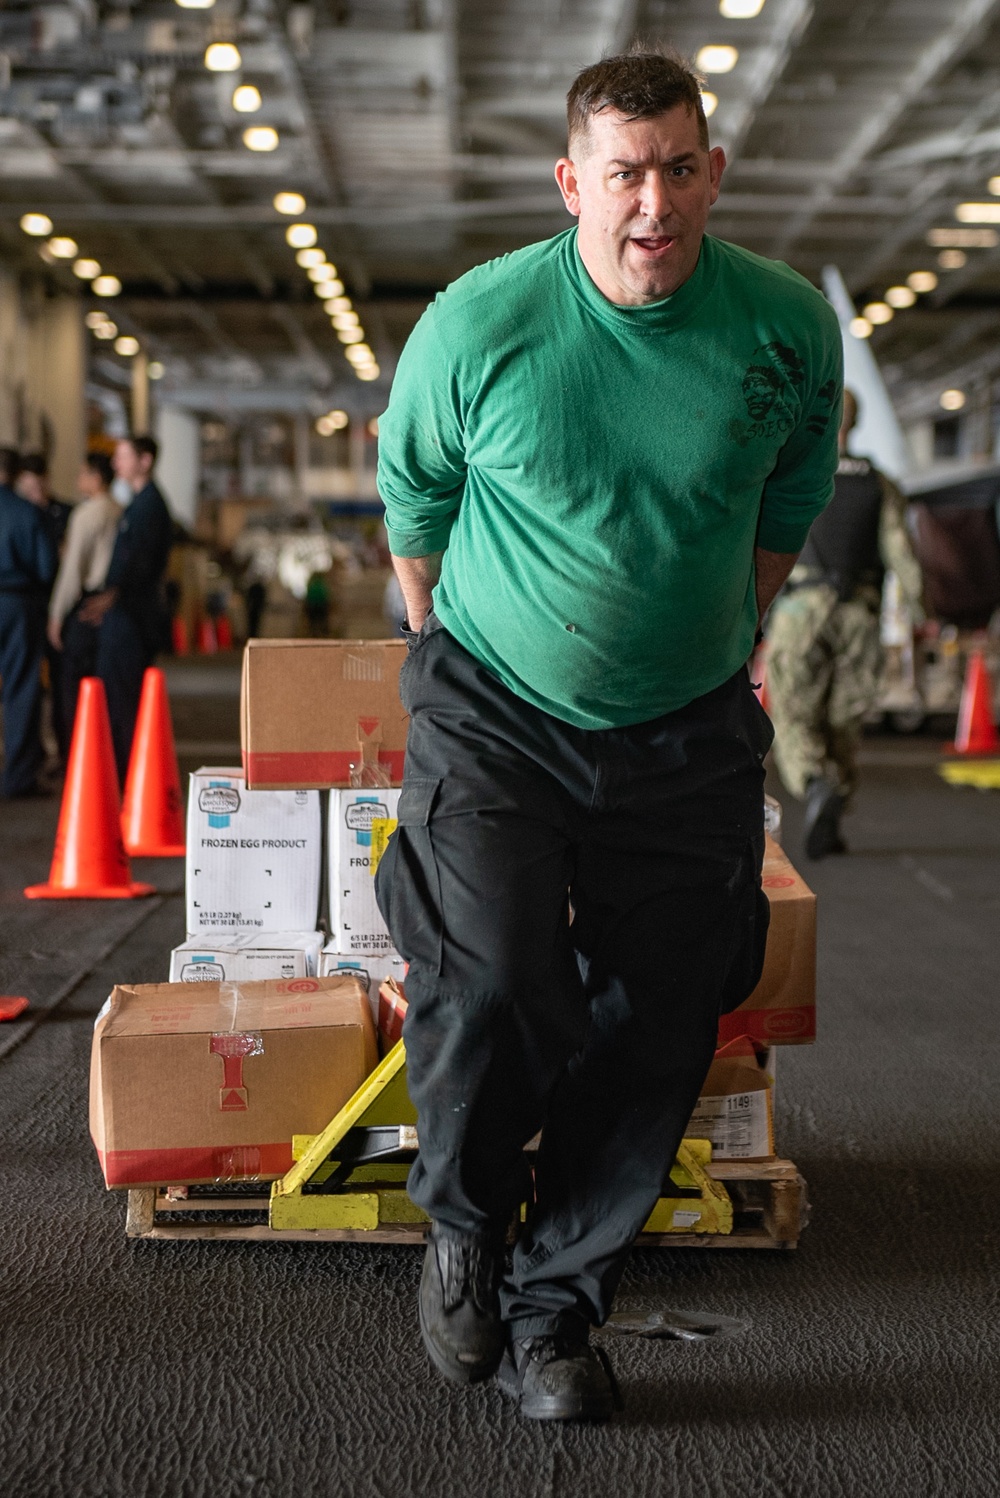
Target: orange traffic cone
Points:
(89, 861)
(207, 643)
(224, 632)
(976, 732)
(152, 816)
(179, 636)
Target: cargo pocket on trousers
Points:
(407, 885)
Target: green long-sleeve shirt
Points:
(597, 476)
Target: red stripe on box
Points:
(233, 1162)
(327, 767)
(789, 1025)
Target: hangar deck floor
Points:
(869, 1366)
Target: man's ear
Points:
(568, 185)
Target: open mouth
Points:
(654, 245)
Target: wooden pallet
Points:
(769, 1199)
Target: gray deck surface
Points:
(871, 1363)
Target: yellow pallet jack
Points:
(352, 1176)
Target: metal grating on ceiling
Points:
(422, 134)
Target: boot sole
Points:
(549, 1407)
(450, 1368)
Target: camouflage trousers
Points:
(823, 664)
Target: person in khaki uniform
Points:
(824, 652)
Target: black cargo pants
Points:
(597, 1028)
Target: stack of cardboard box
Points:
(355, 719)
(252, 881)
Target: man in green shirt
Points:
(601, 457)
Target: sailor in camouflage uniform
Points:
(824, 653)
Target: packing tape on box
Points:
(234, 1046)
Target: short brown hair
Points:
(639, 84)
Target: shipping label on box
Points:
(360, 824)
(310, 709)
(782, 1008)
(209, 1081)
(247, 956)
(735, 1111)
(253, 857)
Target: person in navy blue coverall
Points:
(28, 563)
(32, 483)
(131, 609)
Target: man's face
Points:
(130, 465)
(31, 486)
(641, 190)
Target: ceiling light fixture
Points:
(373, 426)
(106, 330)
(339, 419)
(952, 400)
(963, 239)
(993, 186)
(861, 327)
(337, 304)
(359, 354)
(96, 319)
(321, 270)
(126, 345)
(155, 370)
(325, 426)
(715, 59)
(106, 286)
(952, 259)
(370, 372)
(260, 138)
(314, 256)
(301, 236)
(740, 10)
(289, 202)
(62, 247)
(326, 289)
(345, 319)
(222, 57)
(350, 335)
(978, 213)
(921, 280)
(878, 313)
(196, 4)
(709, 102)
(246, 99)
(86, 269)
(36, 224)
(900, 297)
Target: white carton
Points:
(246, 956)
(253, 857)
(359, 823)
(371, 971)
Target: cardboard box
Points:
(371, 972)
(247, 956)
(735, 1110)
(782, 1008)
(253, 857)
(391, 1014)
(206, 1081)
(360, 824)
(310, 709)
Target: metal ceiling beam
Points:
(963, 25)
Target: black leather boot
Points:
(459, 1305)
(824, 805)
(559, 1377)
